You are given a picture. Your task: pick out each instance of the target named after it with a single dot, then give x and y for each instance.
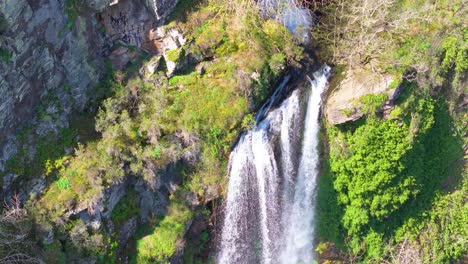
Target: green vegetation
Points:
(383, 191)
(389, 185)
(48, 149)
(72, 13)
(175, 54)
(426, 37)
(126, 208)
(159, 242)
(384, 175)
(372, 102)
(5, 55)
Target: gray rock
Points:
(127, 230)
(48, 51)
(160, 8)
(153, 64)
(343, 106)
(119, 58)
(151, 203)
(173, 43)
(112, 196)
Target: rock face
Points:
(342, 104)
(49, 47)
(44, 52)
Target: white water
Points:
(270, 206)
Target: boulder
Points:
(343, 105)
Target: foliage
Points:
(71, 11)
(175, 54)
(125, 208)
(5, 55)
(16, 233)
(386, 174)
(372, 102)
(160, 242)
(48, 149)
(63, 183)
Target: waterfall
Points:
(270, 205)
(297, 19)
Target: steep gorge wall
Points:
(58, 47)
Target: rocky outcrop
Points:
(54, 47)
(43, 52)
(343, 103)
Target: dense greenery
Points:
(160, 241)
(383, 191)
(384, 175)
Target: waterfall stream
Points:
(270, 205)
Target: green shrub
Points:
(175, 54)
(5, 55)
(372, 102)
(159, 242)
(63, 184)
(125, 208)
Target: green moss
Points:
(348, 112)
(175, 54)
(63, 183)
(72, 13)
(142, 124)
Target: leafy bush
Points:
(125, 208)
(146, 125)
(63, 184)
(160, 242)
(5, 55)
(385, 175)
(175, 54)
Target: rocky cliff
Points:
(57, 48)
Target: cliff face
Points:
(57, 48)
(44, 51)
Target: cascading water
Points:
(269, 213)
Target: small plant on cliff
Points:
(125, 208)
(5, 55)
(160, 242)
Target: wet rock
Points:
(342, 104)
